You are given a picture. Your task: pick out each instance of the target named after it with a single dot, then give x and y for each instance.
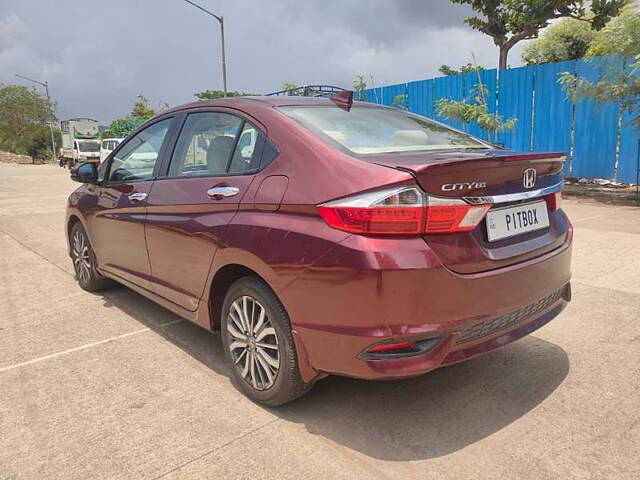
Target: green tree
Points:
(359, 86)
(38, 146)
(621, 36)
(214, 94)
(22, 112)
(477, 111)
(290, 86)
(619, 82)
(141, 109)
(119, 128)
(468, 68)
(511, 21)
(568, 39)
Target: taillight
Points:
(398, 211)
(451, 215)
(401, 211)
(554, 200)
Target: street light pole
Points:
(224, 59)
(220, 19)
(45, 84)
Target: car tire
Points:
(259, 345)
(84, 261)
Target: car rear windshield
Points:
(368, 130)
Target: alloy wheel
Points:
(81, 257)
(253, 342)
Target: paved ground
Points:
(112, 386)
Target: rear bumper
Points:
(450, 350)
(370, 290)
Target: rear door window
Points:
(205, 144)
(215, 144)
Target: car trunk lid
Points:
(496, 177)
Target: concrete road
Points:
(113, 386)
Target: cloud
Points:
(380, 22)
(97, 56)
(15, 36)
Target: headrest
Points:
(409, 137)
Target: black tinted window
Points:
(246, 156)
(269, 153)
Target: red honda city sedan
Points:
(325, 237)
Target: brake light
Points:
(397, 211)
(401, 211)
(395, 220)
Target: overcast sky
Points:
(98, 55)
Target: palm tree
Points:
(359, 85)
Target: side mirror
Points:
(85, 172)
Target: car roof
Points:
(272, 100)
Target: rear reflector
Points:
(389, 347)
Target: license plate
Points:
(509, 221)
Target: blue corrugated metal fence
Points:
(597, 137)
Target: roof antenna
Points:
(343, 99)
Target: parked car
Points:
(107, 146)
(347, 239)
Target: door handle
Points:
(137, 197)
(218, 193)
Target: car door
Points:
(117, 223)
(189, 210)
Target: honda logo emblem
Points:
(529, 177)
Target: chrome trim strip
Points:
(513, 197)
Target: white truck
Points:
(79, 141)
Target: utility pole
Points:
(220, 20)
(45, 84)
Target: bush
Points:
(39, 145)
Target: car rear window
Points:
(369, 130)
